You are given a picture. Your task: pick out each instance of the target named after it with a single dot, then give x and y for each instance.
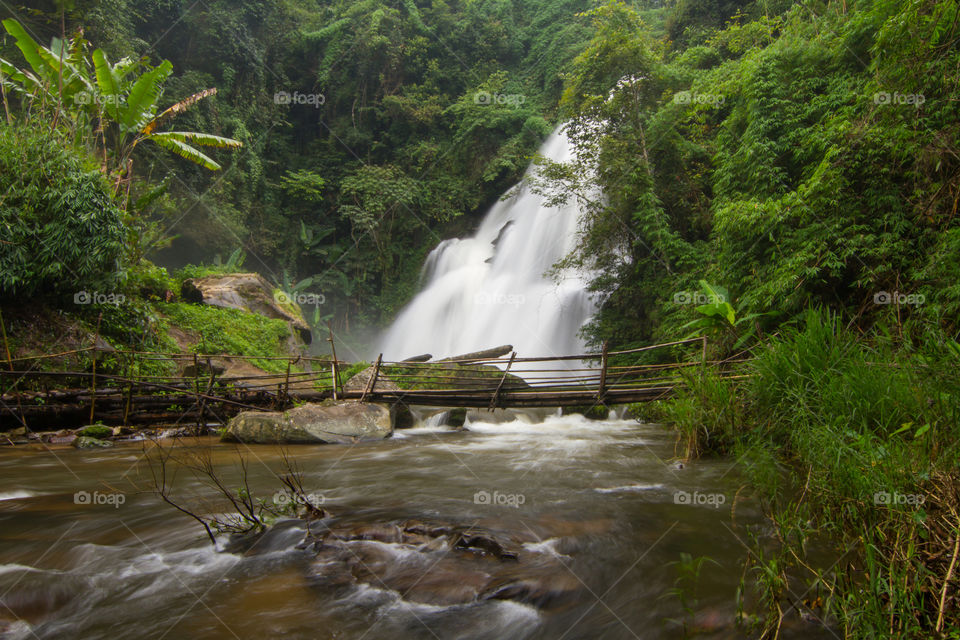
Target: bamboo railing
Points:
(124, 387)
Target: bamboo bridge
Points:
(128, 388)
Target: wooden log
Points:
(496, 394)
(333, 368)
(603, 373)
(486, 354)
(93, 378)
(372, 382)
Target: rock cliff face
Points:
(247, 292)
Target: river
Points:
(602, 500)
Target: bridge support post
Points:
(16, 382)
(333, 369)
(93, 378)
(496, 394)
(601, 390)
(372, 382)
(286, 382)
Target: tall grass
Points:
(868, 431)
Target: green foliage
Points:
(62, 231)
(719, 319)
(685, 586)
(113, 109)
(232, 264)
(232, 331)
(787, 154)
(707, 414)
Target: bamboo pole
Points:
(203, 402)
(6, 348)
(496, 394)
(286, 382)
(703, 360)
(196, 390)
(333, 351)
(372, 382)
(93, 378)
(127, 406)
(603, 373)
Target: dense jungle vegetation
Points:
(779, 176)
(366, 130)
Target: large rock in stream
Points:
(439, 564)
(314, 423)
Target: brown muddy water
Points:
(87, 551)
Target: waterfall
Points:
(491, 289)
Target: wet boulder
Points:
(455, 418)
(543, 589)
(403, 418)
(86, 442)
(588, 411)
(98, 431)
(440, 564)
(313, 423)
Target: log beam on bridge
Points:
(517, 399)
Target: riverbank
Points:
(853, 438)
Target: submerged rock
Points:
(590, 412)
(86, 442)
(313, 423)
(454, 418)
(64, 436)
(441, 565)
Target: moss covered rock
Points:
(96, 431)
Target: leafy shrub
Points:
(62, 231)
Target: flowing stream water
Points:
(598, 499)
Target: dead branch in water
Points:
(232, 510)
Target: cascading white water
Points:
(491, 289)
